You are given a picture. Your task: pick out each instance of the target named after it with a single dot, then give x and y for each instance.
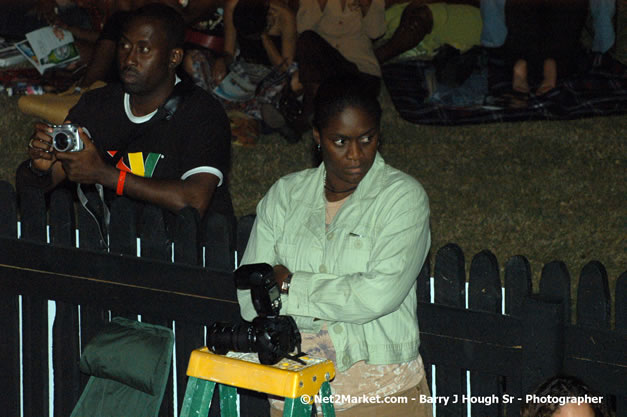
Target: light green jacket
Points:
(359, 276)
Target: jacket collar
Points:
(368, 188)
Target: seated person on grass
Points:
(542, 43)
(153, 138)
(259, 45)
(416, 29)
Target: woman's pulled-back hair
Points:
(250, 17)
(337, 94)
(558, 387)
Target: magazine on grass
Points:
(48, 47)
(9, 55)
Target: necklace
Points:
(333, 190)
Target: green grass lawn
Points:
(546, 190)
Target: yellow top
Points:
(457, 25)
(285, 379)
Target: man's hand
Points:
(40, 148)
(86, 166)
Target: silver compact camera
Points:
(65, 138)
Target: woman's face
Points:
(348, 144)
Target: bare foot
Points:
(519, 79)
(550, 77)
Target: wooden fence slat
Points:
(517, 284)
(62, 218)
(217, 238)
(597, 356)
(34, 313)
(8, 210)
(92, 319)
(89, 236)
(184, 234)
(449, 285)
(463, 342)
(484, 284)
(33, 214)
(65, 331)
(621, 302)
(123, 227)
(621, 325)
(65, 357)
(10, 354)
(543, 340)
(484, 294)
(123, 236)
(9, 314)
(243, 230)
(167, 405)
(35, 356)
(154, 241)
(188, 337)
(555, 283)
(423, 286)
(449, 274)
(593, 297)
(423, 289)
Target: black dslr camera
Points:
(272, 336)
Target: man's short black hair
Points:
(169, 18)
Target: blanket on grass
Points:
(485, 95)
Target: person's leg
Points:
(523, 38)
(549, 77)
(196, 63)
(318, 61)
(563, 21)
(519, 77)
(416, 22)
(410, 403)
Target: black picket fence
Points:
(54, 297)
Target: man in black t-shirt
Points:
(153, 138)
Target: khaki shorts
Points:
(413, 408)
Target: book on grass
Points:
(48, 47)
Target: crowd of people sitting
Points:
(279, 51)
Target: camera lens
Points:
(222, 338)
(61, 142)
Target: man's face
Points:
(143, 57)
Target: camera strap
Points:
(96, 206)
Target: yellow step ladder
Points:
(297, 383)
